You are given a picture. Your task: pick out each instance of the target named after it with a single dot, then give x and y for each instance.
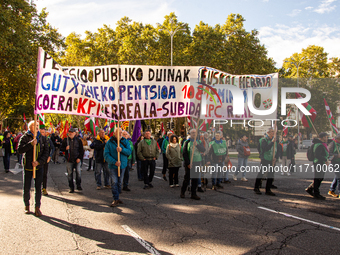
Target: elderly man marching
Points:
(218, 152)
(111, 156)
(25, 147)
(267, 145)
(196, 161)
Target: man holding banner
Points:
(25, 147)
(111, 151)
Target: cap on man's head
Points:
(71, 130)
(323, 134)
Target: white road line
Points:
(85, 164)
(157, 177)
(159, 167)
(298, 218)
(145, 244)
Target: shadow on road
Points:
(105, 239)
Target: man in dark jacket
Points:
(25, 147)
(197, 160)
(147, 152)
(267, 145)
(74, 152)
(57, 143)
(99, 145)
(321, 154)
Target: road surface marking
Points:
(145, 244)
(159, 167)
(298, 218)
(157, 177)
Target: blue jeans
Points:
(241, 162)
(98, 174)
(217, 176)
(116, 182)
(335, 183)
(127, 174)
(69, 167)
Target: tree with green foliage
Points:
(23, 30)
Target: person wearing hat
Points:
(285, 161)
(334, 153)
(74, 152)
(321, 154)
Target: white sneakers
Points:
(244, 179)
(235, 177)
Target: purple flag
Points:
(136, 131)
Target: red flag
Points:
(330, 118)
(162, 129)
(25, 118)
(286, 124)
(307, 121)
(66, 128)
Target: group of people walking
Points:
(115, 157)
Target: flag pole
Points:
(316, 132)
(34, 146)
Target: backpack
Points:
(310, 153)
(246, 150)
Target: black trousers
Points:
(173, 175)
(165, 164)
(318, 178)
(145, 167)
(292, 164)
(270, 176)
(186, 181)
(28, 175)
(45, 167)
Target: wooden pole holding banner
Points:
(34, 146)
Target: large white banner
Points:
(131, 92)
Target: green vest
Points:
(336, 150)
(268, 155)
(314, 149)
(220, 149)
(197, 155)
(1, 139)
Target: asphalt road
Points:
(232, 220)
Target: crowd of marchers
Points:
(112, 159)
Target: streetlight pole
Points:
(172, 33)
(297, 65)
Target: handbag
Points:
(2, 153)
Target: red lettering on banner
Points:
(81, 104)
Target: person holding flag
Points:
(26, 147)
